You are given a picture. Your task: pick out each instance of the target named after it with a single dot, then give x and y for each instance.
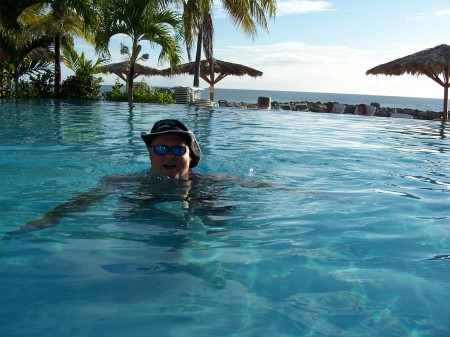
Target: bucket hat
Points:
(175, 126)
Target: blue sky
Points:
(322, 46)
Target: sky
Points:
(319, 46)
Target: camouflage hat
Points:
(174, 126)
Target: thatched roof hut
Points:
(208, 71)
(432, 62)
(121, 69)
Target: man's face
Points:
(169, 164)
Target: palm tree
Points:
(18, 53)
(78, 62)
(10, 11)
(246, 14)
(61, 19)
(141, 20)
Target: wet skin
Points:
(170, 165)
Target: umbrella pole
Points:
(211, 92)
(445, 112)
(446, 85)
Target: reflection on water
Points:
(350, 240)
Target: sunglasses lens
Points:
(178, 150)
(161, 150)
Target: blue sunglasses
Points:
(162, 150)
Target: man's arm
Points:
(80, 203)
(77, 204)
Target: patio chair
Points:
(401, 115)
(302, 107)
(370, 109)
(203, 102)
(285, 106)
(183, 95)
(338, 108)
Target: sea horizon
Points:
(251, 96)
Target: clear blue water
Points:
(343, 243)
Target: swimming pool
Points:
(346, 242)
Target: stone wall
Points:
(382, 111)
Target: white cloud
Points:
(427, 15)
(290, 7)
(295, 66)
(443, 12)
(418, 17)
(286, 7)
(297, 53)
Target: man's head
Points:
(173, 149)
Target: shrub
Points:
(37, 87)
(142, 94)
(81, 86)
(6, 79)
(116, 94)
(43, 85)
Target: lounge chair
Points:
(222, 102)
(186, 95)
(204, 102)
(338, 108)
(401, 115)
(285, 106)
(302, 107)
(370, 109)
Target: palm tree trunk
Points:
(198, 56)
(136, 48)
(130, 83)
(57, 65)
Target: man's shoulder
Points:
(113, 179)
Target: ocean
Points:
(251, 96)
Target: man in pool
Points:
(173, 150)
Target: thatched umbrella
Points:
(432, 62)
(208, 71)
(122, 69)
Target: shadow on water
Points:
(178, 218)
(442, 130)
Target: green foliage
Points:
(116, 94)
(43, 84)
(142, 94)
(40, 86)
(79, 64)
(19, 52)
(6, 79)
(24, 90)
(81, 87)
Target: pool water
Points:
(351, 238)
